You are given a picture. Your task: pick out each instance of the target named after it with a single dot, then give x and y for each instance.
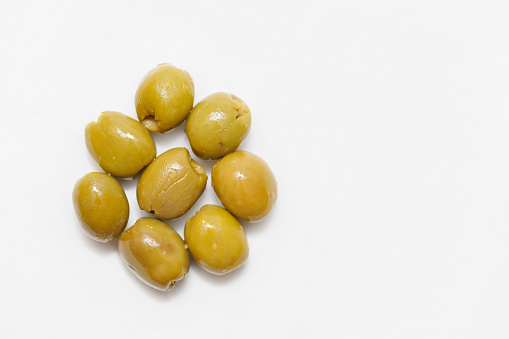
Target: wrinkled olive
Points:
(217, 125)
(101, 206)
(216, 240)
(245, 185)
(164, 98)
(119, 144)
(171, 184)
(155, 253)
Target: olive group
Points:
(173, 182)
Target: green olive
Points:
(119, 144)
(101, 206)
(171, 184)
(155, 253)
(217, 125)
(216, 240)
(164, 98)
(245, 185)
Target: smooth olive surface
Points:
(101, 206)
(164, 98)
(216, 240)
(171, 184)
(245, 185)
(155, 253)
(217, 125)
(119, 144)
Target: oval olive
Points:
(216, 240)
(101, 206)
(171, 184)
(164, 98)
(245, 185)
(217, 125)
(119, 144)
(155, 253)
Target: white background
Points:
(385, 122)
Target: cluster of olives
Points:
(173, 182)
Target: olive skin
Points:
(164, 98)
(155, 253)
(216, 240)
(119, 144)
(245, 185)
(217, 125)
(171, 184)
(101, 206)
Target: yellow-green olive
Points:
(164, 98)
(101, 206)
(171, 184)
(119, 144)
(155, 253)
(217, 125)
(216, 240)
(245, 185)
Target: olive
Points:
(216, 240)
(155, 253)
(119, 144)
(245, 185)
(164, 98)
(171, 184)
(217, 125)
(101, 206)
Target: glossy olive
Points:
(217, 125)
(101, 206)
(164, 98)
(245, 185)
(155, 253)
(171, 184)
(216, 240)
(119, 144)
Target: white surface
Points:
(385, 122)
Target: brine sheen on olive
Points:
(155, 253)
(119, 144)
(164, 98)
(101, 206)
(245, 185)
(171, 184)
(217, 125)
(216, 240)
